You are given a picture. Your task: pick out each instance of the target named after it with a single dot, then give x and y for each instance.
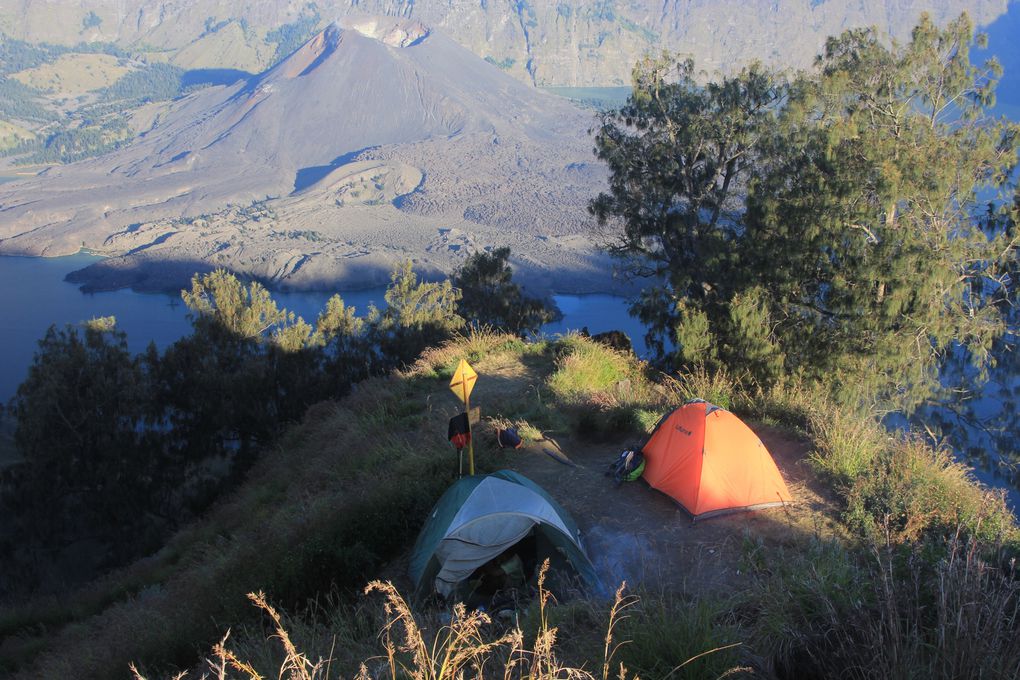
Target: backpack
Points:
(627, 467)
(508, 438)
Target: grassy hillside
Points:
(75, 74)
(887, 566)
(228, 47)
(11, 135)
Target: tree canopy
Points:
(831, 225)
(118, 449)
(489, 296)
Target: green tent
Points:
(483, 518)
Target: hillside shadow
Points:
(206, 77)
(306, 177)
(171, 275)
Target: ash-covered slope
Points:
(378, 138)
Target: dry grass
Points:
(699, 383)
(298, 526)
(473, 346)
(74, 74)
(469, 645)
(847, 444)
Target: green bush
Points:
(914, 493)
(586, 371)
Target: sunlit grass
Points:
(471, 644)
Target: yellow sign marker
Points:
(462, 382)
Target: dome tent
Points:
(482, 517)
(711, 463)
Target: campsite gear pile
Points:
(627, 467)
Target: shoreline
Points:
(168, 277)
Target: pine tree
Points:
(489, 296)
(832, 227)
(680, 155)
(865, 222)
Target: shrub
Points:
(589, 372)
(913, 492)
(825, 613)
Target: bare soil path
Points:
(638, 534)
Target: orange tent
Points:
(711, 463)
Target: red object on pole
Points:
(459, 431)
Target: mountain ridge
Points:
(562, 43)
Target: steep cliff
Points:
(547, 42)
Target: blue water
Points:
(597, 313)
(35, 296)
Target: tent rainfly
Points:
(482, 517)
(711, 463)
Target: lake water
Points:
(35, 296)
(593, 97)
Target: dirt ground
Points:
(638, 534)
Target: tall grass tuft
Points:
(698, 382)
(605, 391)
(896, 615)
(847, 444)
(476, 344)
(588, 372)
(470, 644)
(670, 636)
(462, 648)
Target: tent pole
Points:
(471, 439)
